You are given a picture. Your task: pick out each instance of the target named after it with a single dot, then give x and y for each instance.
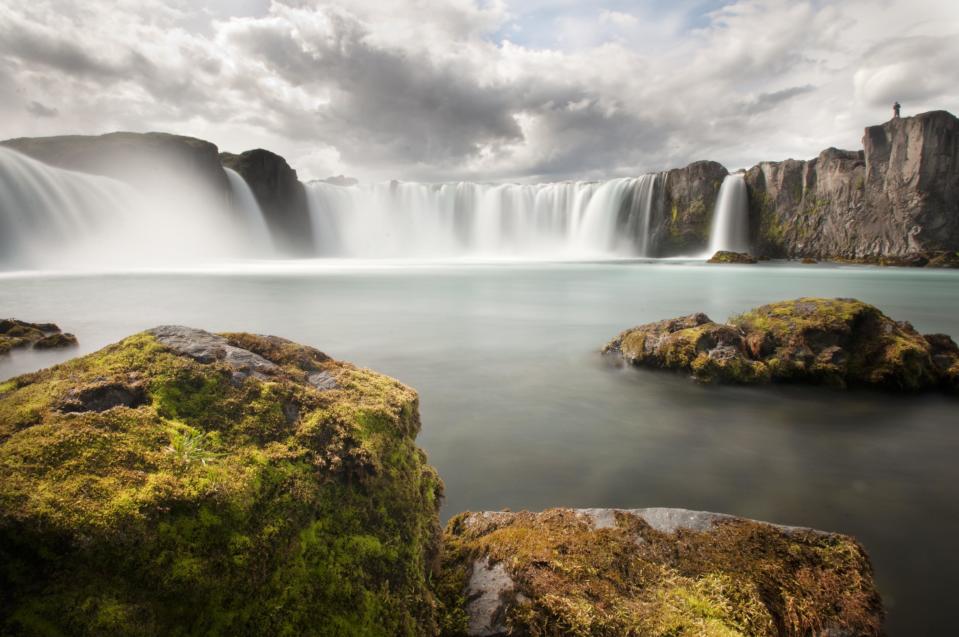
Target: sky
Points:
(481, 90)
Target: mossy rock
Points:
(182, 483)
(15, 333)
(837, 342)
(657, 572)
(726, 256)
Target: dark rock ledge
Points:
(837, 342)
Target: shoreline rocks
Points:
(652, 571)
(836, 342)
(16, 334)
(215, 484)
(726, 256)
(245, 484)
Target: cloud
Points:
(483, 90)
(41, 110)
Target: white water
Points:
(410, 220)
(51, 218)
(730, 229)
(244, 202)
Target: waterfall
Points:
(557, 220)
(730, 229)
(244, 202)
(62, 219)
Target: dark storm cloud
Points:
(41, 110)
(766, 101)
(434, 89)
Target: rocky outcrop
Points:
(684, 210)
(897, 197)
(153, 161)
(652, 572)
(725, 256)
(280, 194)
(836, 342)
(16, 334)
(181, 482)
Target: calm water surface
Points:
(520, 411)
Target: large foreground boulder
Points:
(658, 572)
(186, 483)
(838, 342)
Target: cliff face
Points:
(280, 194)
(684, 212)
(148, 160)
(897, 197)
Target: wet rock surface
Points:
(654, 571)
(836, 342)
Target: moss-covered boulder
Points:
(837, 342)
(656, 572)
(726, 256)
(185, 483)
(15, 334)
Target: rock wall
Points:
(280, 194)
(897, 197)
(147, 160)
(684, 210)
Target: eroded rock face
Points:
(16, 334)
(898, 197)
(654, 572)
(681, 222)
(280, 194)
(186, 482)
(837, 342)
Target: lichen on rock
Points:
(185, 483)
(657, 572)
(837, 342)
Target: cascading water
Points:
(730, 229)
(55, 218)
(244, 202)
(559, 220)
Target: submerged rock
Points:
(15, 334)
(838, 342)
(181, 482)
(726, 256)
(651, 572)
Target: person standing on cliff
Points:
(895, 110)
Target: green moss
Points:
(837, 342)
(215, 507)
(739, 578)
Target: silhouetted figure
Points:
(895, 110)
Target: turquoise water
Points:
(519, 409)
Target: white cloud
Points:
(432, 89)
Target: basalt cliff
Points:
(895, 200)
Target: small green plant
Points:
(192, 447)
